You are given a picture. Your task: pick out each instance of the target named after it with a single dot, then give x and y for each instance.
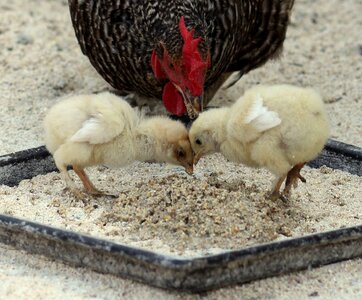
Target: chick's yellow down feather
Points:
(89, 130)
(278, 127)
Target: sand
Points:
(41, 61)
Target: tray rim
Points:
(158, 258)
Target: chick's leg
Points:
(68, 181)
(88, 185)
(275, 194)
(292, 178)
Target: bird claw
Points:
(83, 195)
(77, 193)
(284, 197)
(112, 196)
(281, 196)
(274, 196)
(95, 193)
(302, 179)
(98, 193)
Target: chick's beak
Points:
(189, 169)
(197, 157)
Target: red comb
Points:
(187, 72)
(194, 65)
(186, 34)
(156, 66)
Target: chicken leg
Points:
(88, 185)
(275, 194)
(292, 178)
(68, 181)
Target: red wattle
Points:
(172, 100)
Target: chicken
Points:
(182, 50)
(278, 127)
(90, 130)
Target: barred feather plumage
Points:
(119, 36)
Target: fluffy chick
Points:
(278, 127)
(90, 130)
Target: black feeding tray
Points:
(194, 274)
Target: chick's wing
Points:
(99, 128)
(250, 118)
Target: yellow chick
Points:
(90, 130)
(278, 127)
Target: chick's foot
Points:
(76, 192)
(98, 193)
(88, 185)
(275, 193)
(292, 179)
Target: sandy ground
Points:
(221, 207)
(41, 61)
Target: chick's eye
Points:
(198, 142)
(180, 153)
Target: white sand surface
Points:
(222, 207)
(41, 61)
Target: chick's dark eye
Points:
(198, 142)
(180, 153)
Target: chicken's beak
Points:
(197, 103)
(194, 104)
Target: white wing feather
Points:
(97, 130)
(260, 118)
